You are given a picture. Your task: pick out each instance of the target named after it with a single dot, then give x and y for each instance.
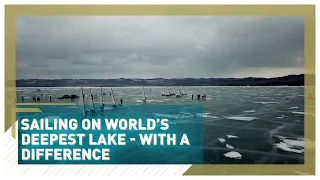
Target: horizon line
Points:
(171, 78)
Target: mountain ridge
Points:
(289, 80)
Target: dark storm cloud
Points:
(148, 47)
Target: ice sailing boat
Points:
(184, 91)
(144, 99)
(101, 100)
(171, 92)
(92, 110)
(163, 92)
(113, 99)
(168, 92)
(179, 95)
(81, 104)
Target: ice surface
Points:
(72, 107)
(173, 116)
(167, 115)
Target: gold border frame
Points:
(307, 11)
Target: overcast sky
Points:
(158, 46)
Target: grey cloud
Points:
(155, 46)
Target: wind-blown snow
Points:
(232, 136)
(294, 143)
(266, 102)
(286, 147)
(233, 155)
(239, 118)
(293, 108)
(174, 116)
(249, 111)
(296, 112)
(229, 146)
(290, 145)
(205, 115)
(281, 117)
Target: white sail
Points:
(81, 102)
(143, 95)
(184, 91)
(101, 97)
(91, 98)
(112, 98)
(179, 90)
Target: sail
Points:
(101, 97)
(169, 92)
(81, 102)
(112, 98)
(184, 91)
(143, 95)
(179, 92)
(91, 98)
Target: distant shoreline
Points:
(155, 86)
(290, 80)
